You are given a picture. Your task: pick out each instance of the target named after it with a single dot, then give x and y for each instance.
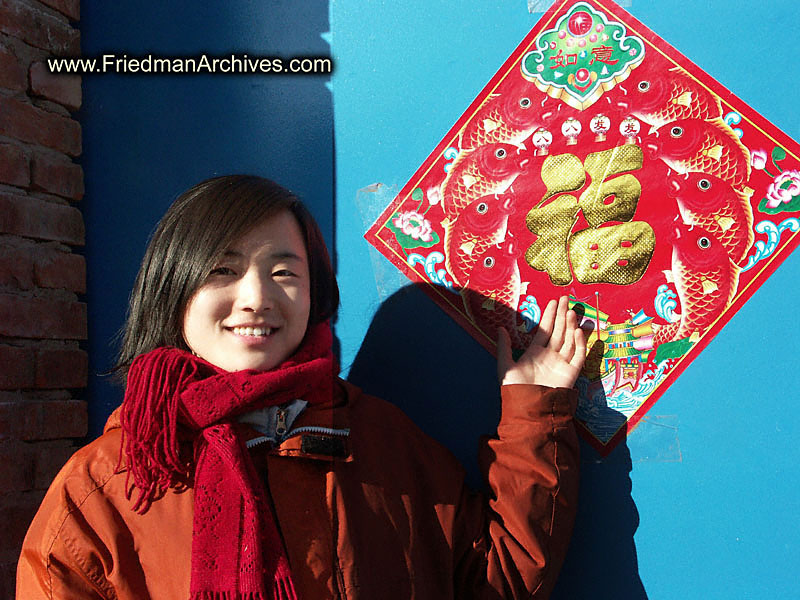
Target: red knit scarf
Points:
(237, 553)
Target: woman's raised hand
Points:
(554, 358)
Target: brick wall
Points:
(42, 320)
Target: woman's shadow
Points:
(426, 364)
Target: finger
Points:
(568, 347)
(579, 357)
(557, 337)
(504, 357)
(545, 324)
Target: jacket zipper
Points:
(298, 431)
(280, 423)
(256, 441)
(316, 429)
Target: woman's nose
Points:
(254, 292)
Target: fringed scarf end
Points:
(149, 421)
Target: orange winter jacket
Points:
(380, 514)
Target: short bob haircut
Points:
(190, 239)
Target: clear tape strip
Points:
(371, 201)
(655, 439)
(540, 6)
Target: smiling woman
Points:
(240, 466)
(220, 232)
(252, 310)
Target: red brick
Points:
(71, 8)
(57, 176)
(16, 513)
(16, 267)
(28, 123)
(43, 419)
(49, 458)
(8, 578)
(60, 270)
(33, 265)
(61, 368)
(38, 219)
(19, 473)
(61, 88)
(40, 318)
(12, 73)
(20, 20)
(14, 166)
(33, 465)
(17, 369)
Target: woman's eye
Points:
(222, 271)
(283, 273)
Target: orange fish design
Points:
(715, 206)
(705, 279)
(492, 293)
(707, 146)
(508, 116)
(482, 224)
(489, 169)
(670, 96)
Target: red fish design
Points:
(664, 97)
(482, 224)
(508, 116)
(705, 279)
(714, 205)
(489, 169)
(707, 146)
(493, 292)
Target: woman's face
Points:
(252, 310)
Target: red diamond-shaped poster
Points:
(600, 163)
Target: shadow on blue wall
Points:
(602, 561)
(446, 382)
(433, 370)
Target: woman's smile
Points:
(249, 331)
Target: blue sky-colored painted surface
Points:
(710, 476)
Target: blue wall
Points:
(700, 502)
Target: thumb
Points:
(504, 357)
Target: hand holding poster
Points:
(600, 163)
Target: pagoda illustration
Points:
(618, 362)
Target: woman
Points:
(240, 466)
